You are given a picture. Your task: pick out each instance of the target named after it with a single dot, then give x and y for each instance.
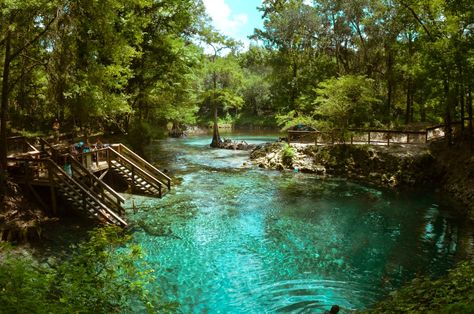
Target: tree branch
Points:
(417, 18)
(46, 28)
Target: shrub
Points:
(102, 276)
(287, 155)
(453, 293)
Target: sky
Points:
(235, 18)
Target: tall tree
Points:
(23, 26)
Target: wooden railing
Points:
(47, 171)
(94, 158)
(19, 145)
(98, 158)
(374, 136)
(83, 175)
(135, 158)
(89, 181)
(58, 174)
(135, 170)
(371, 137)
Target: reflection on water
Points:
(235, 239)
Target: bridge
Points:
(78, 178)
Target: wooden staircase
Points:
(142, 176)
(77, 183)
(96, 200)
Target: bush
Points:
(287, 155)
(453, 293)
(101, 277)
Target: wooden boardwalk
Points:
(78, 178)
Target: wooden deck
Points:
(78, 178)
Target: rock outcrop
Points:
(449, 169)
(388, 166)
(235, 145)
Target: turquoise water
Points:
(232, 238)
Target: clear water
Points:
(232, 238)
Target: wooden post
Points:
(107, 155)
(426, 136)
(54, 200)
(388, 139)
(368, 138)
(54, 203)
(133, 179)
(352, 139)
(84, 204)
(408, 138)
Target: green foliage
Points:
(292, 118)
(102, 276)
(116, 61)
(140, 135)
(287, 155)
(347, 101)
(453, 293)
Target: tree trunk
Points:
(447, 118)
(469, 110)
(409, 102)
(293, 91)
(176, 130)
(389, 83)
(462, 107)
(216, 139)
(3, 118)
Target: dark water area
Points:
(232, 238)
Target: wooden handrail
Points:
(22, 141)
(52, 164)
(145, 163)
(360, 130)
(425, 133)
(157, 183)
(119, 198)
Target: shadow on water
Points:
(243, 240)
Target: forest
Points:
(146, 68)
(122, 65)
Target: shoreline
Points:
(397, 166)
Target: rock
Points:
(390, 166)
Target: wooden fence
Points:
(376, 137)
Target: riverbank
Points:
(451, 170)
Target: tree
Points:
(346, 102)
(23, 25)
(221, 74)
(294, 32)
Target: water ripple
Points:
(303, 294)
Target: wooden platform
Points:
(78, 177)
